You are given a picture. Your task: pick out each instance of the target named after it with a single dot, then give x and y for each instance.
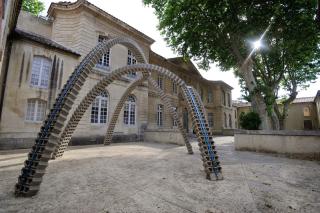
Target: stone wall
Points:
(296, 144)
(164, 136)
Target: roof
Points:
(241, 104)
(178, 61)
(296, 101)
(19, 33)
(303, 100)
(64, 5)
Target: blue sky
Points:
(134, 13)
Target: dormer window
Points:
(104, 61)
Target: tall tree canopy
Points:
(222, 32)
(33, 6)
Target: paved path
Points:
(149, 177)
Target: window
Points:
(174, 121)
(129, 113)
(99, 110)
(210, 96)
(104, 61)
(225, 120)
(230, 121)
(174, 88)
(210, 119)
(40, 73)
(229, 100)
(306, 111)
(36, 110)
(201, 94)
(224, 98)
(131, 60)
(160, 82)
(160, 115)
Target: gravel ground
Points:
(150, 177)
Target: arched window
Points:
(99, 110)
(160, 115)
(230, 121)
(131, 60)
(40, 73)
(225, 120)
(36, 110)
(306, 111)
(129, 113)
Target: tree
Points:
(33, 6)
(222, 32)
(250, 120)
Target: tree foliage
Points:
(250, 120)
(33, 6)
(222, 32)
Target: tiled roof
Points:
(303, 100)
(42, 40)
(296, 101)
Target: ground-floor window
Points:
(99, 110)
(160, 115)
(36, 110)
(230, 121)
(129, 113)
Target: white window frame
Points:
(129, 114)
(104, 61)
(39, 76)
(35, 113)
(160, 82)
(131, 60)
(174, 121)
(99, 101)
(160, 115)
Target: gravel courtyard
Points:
(150, 177)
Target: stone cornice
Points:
(68, 6)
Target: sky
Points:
(134, 13)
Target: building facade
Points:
(303, 113)
(46, 50)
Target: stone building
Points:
(303, 113)
(45, 51)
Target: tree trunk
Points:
(257, 101)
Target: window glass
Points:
(129, 113)
(99, 109)
(36, 110)
(40, 73)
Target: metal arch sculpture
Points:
(164, 98)
(71, 125)
(48, 137)
(31, 176)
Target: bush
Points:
(250, 121)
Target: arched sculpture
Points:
(50, 138)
